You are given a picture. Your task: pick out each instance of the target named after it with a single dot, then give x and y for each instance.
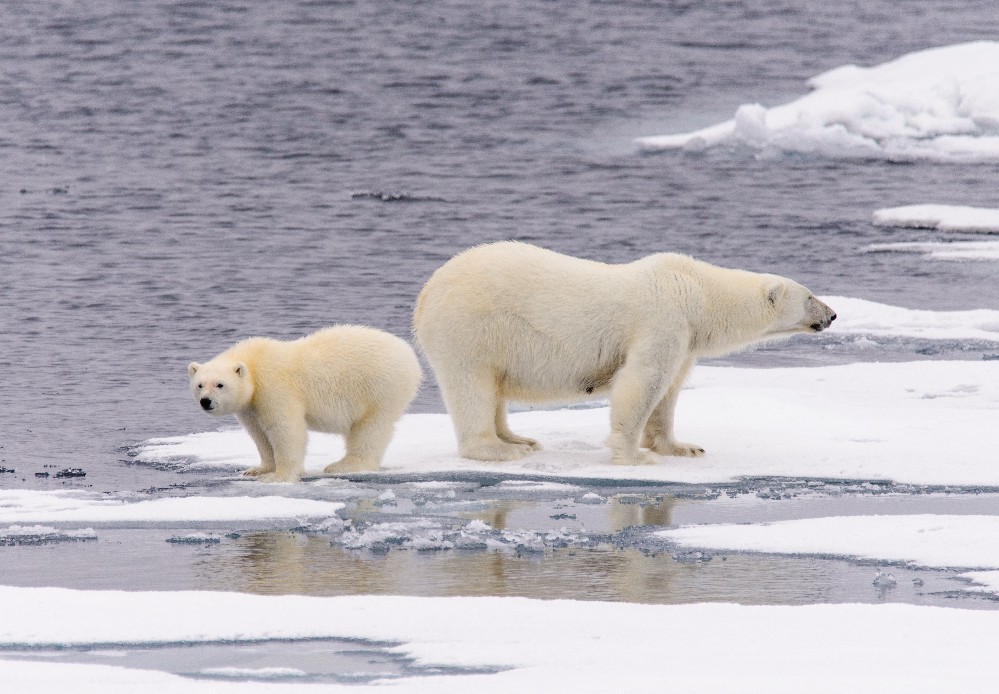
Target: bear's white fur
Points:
(513, 322)
(347, 379)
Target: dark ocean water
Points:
(178, 175)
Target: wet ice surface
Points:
(475, 535)
(339, 661)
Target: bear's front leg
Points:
(264, 449)
(658, 436)
(635, 392)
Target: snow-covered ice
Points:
(941, 217)
(73, 507)
(864, 420)
(936, 104)
(940, 250)
(872, 319)
(930, 541)
(530, 645)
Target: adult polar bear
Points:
(510, 321)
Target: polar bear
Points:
(510, 321)
(346, 379)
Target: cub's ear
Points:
(775, 292)
(241, 370)
(192, 369)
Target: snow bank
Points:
(936, 104)
(940, 217)
(554, 646)
(927, 422)
(32, 506)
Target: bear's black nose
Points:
(832, 318)
(206, 403)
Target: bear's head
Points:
(795, 309)
(221, 387)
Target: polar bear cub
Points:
(513, 322)
(346, 379)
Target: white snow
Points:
(551, 646)
(958, 250)
(937, 104)
(930, 541)
(869, 318)
(33, 506)
(926, 422)
(940, 217)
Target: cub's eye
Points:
(221, 385)
(200, 386)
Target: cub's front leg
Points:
(288, 437)
(264, 448)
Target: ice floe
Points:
(33, 506)
(961, 218)
(936, 104)
(869, 318)
(924, 541)
(926, 422)
(510, 644)
(930, 541)
(948, 250)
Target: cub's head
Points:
(795, 309)
(221, 387)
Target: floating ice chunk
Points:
(195, 539)
(941, 217)
(239, 673)
(936, 104)
(41, 534)
(386, 498)
(591, 498)
(884, 580)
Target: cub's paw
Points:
(349, 464)
(634, 458)
(495, 451)
(257, 471)
(521, 440)
(272, 477)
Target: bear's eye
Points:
(221, 385)
(200, 386)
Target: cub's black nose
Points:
(206, 403)
(832, 318)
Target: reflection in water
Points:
(286, 562)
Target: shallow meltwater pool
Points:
(530, 538)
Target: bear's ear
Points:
(775, 292)
(241, 370)
(192, 369)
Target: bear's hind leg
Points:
(472, 402)
(503, 428)
(365, 443)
